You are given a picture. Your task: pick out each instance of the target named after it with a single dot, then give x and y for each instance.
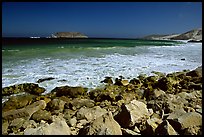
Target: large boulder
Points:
(90, 113)
(103, 125)
(72, 92)
(31, 88)
(25, 112)
(195, 73)
(16, 102)
(42, 115)
(132, 113)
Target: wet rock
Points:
(90, 113)
(72, 92)
(121, 82)
(42, 115)
(165, 129)
(103, 125)
(45, 79)
(108, 80)
(26, 87)
(132, 113)
(195, 73)
(58, 127)
(25, 112)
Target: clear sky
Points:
(99, 19)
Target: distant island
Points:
(68, 35)
(194, 35)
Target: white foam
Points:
(89, 71)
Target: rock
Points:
(195, 73)
(151, 125)
(90, 113)
(78, 103)
(42, 115)
(26, 87)
(56, 104)
(183, 59)
(193, 130)
(58, 127)
(121, 82)
(16, 102)
(45, 79)
(25, 112)
(132, 113)
(72, 122)
(108, 80)
(190, 119)
(72, 92)
(165, 129)
(128, 132)
(5, 126)
(103, 125)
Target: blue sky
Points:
(99, 19)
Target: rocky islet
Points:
(147, 105)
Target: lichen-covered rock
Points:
(103, 125)
(72, 92)
(25, 112)
(31, 88)
(132, 113)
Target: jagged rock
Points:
(151, 125)
(193, 130)
(42, 115)
(58, 127)
(90, 113)
(16, 102)
(195, 73)
(165, 129)
(128, 132)
(26, 87)
(69, 91)
(103, 125)
(134, 112)
(25, 112)
(44, 79)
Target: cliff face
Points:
(193, 35)
(69, 35)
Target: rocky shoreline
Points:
(164, 104)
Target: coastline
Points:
(80, 112)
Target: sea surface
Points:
(86, 62)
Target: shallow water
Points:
(86, 63)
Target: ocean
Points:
(86, 62)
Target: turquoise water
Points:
(85, 62)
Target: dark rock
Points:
(69, 91)
(165, 129)
(78, 103)
(56, 104)
(45, 79)
(195, 73)
(183, 59)
(26, 87)
(108, 80)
